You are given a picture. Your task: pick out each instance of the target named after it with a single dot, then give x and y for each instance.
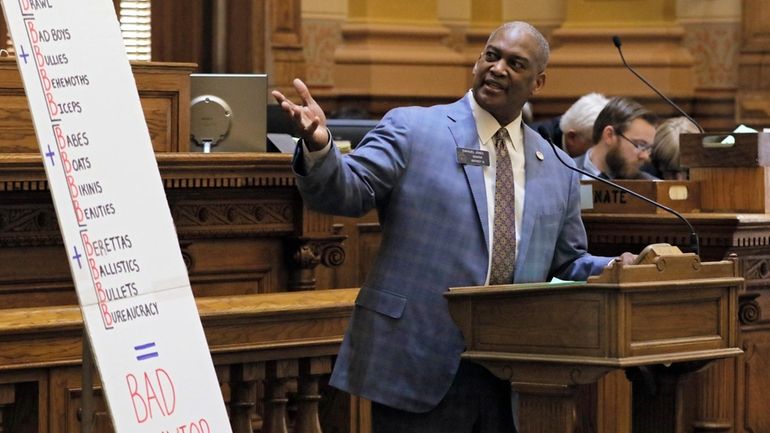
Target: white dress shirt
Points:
(487, 126)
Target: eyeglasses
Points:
(641, 146)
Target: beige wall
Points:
(541, 13)
(712, 35)
(321, 23)
(721, 10)
(712, 28)
(549, 13)
(394, 11)
(454, 12)
(329, 9)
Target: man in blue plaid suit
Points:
(402, 349)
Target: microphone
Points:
(616, 41)
(694, 241)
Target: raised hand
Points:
(309, 118)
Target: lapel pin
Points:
(539, 155)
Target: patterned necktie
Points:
(504, 242)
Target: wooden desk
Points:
(740, 402)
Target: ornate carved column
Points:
(555, 402)
(7, 398)
(752, 379)
(615, 417)
(309, 252)
(285, 60)
(715, 398)
(584, 58)
(316, 244)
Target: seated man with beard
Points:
(623, 135)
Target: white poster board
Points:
(124, 255)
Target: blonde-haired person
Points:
(665, 150)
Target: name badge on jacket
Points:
(472, 156)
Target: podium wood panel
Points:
(671, 309)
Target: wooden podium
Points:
(670, 309)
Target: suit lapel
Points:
(462, 126)
(534, 190)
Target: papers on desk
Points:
(741, 129)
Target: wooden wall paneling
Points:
(182, 32)
(233, 244)
(30, 238)
(245, 38)
(16, 130)
(24, 399)
(753, 98)
(241, 225)
(756, 37)
(284, 56)
(65, 402)
(7, 398)
(164, 92)
(3, 31)
(185, 32)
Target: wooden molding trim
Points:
(25, 172)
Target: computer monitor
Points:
(352, 130)
(343, 130)
(228, 112)
(278, 122)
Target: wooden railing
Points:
(272, 353)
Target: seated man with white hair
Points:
(574, 128)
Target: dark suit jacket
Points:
(580, 162)
(402, 349)
(552, 126)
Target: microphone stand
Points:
(694, 241)
(616, 41)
